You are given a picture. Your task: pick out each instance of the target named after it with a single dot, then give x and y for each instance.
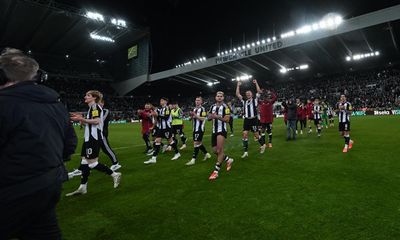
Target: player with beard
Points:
(266, 106)
(147, 125)
(344, 112)
(219, 115)
(250, 116)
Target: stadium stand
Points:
(371, 89)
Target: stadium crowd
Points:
(372, 89)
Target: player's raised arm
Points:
(238, 91)
(258, 89)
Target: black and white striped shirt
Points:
(344, 114)
(164, 118)
(329, 111)
(94, 130)
(317, 111)
(198, 125)
(250, 107)
(222, 110)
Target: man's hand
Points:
(239, 83)
(76, 117)
(212, 116)
(255, 81)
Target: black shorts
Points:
(91, 149)
(164, 133)
(250, 124)
(317, 121)
(266, 126)
(198, 136)
(214, 138)
(177, 129)
(344, 126)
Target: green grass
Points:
(307, 189)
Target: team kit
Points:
(166, 122)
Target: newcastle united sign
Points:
(263, 48)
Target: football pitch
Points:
(303, 189)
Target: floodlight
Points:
(263, 41)
(330, 22)
(102, 38)
(322, 24)
(95, 16)
(338, 20)
(118, 22)
(302, 67)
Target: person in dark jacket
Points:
(291, 109)
(35, 138)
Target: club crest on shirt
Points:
(95, 113)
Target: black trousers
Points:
(32, 217)
(105, 147)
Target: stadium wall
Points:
(125, 69)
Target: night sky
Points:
(183, 30)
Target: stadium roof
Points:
(44, 26)
(371, 39)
